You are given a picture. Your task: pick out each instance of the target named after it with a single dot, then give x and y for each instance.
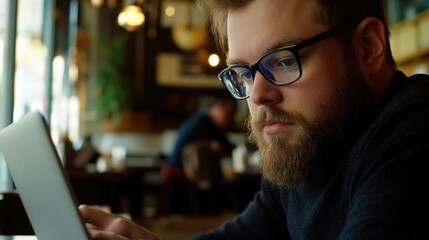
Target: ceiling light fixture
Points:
(131, 17)
(187, 24)
(97, 3)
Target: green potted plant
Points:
(113, 85)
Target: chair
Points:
(14, 219)
(174, 193)
(202, 165)
(194, 189)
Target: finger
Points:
(121, 226)
(102, 235)
(90, 226)
(129, 229)
(96, 216)
(98, 220)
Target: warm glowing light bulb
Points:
(214, 60)
(170, 11)
(131, 17)
(97, 3)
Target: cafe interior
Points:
(115, 79)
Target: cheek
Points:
(308, 98)
(317, 87)
(252, 107)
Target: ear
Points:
(371, 45)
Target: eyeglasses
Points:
(280, 67)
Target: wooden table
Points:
(121, 190)
(13, 218)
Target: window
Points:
(5, 182)
(22, 84)
(31, 52)
(2, 35)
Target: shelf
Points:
(410, 39)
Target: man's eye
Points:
(288, 62)
(246, 75)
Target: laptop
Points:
(40, 179)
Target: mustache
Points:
(275, 114)
(255, 123)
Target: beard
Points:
(305, 153)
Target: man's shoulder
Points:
(409, 91)
(402, 117)
(414, 84)
(419, 77)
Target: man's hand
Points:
(106, 226)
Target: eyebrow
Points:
(290, 42)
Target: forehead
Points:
(265, 24)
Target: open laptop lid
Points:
(40, 179)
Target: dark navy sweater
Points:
(376, 191)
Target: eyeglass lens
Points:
(279, 67)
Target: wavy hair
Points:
(329, 12)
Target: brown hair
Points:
(329, 12)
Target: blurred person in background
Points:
(208, 123)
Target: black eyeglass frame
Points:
(294, 49)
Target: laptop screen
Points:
(40, 179)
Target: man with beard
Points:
(342, 133)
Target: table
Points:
(242, 184)
(13, 218)
(121, 190)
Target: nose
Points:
(264, 92)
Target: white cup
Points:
(239, 158)
(119, 154)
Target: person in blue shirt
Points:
(208, 123)
(342, 133)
